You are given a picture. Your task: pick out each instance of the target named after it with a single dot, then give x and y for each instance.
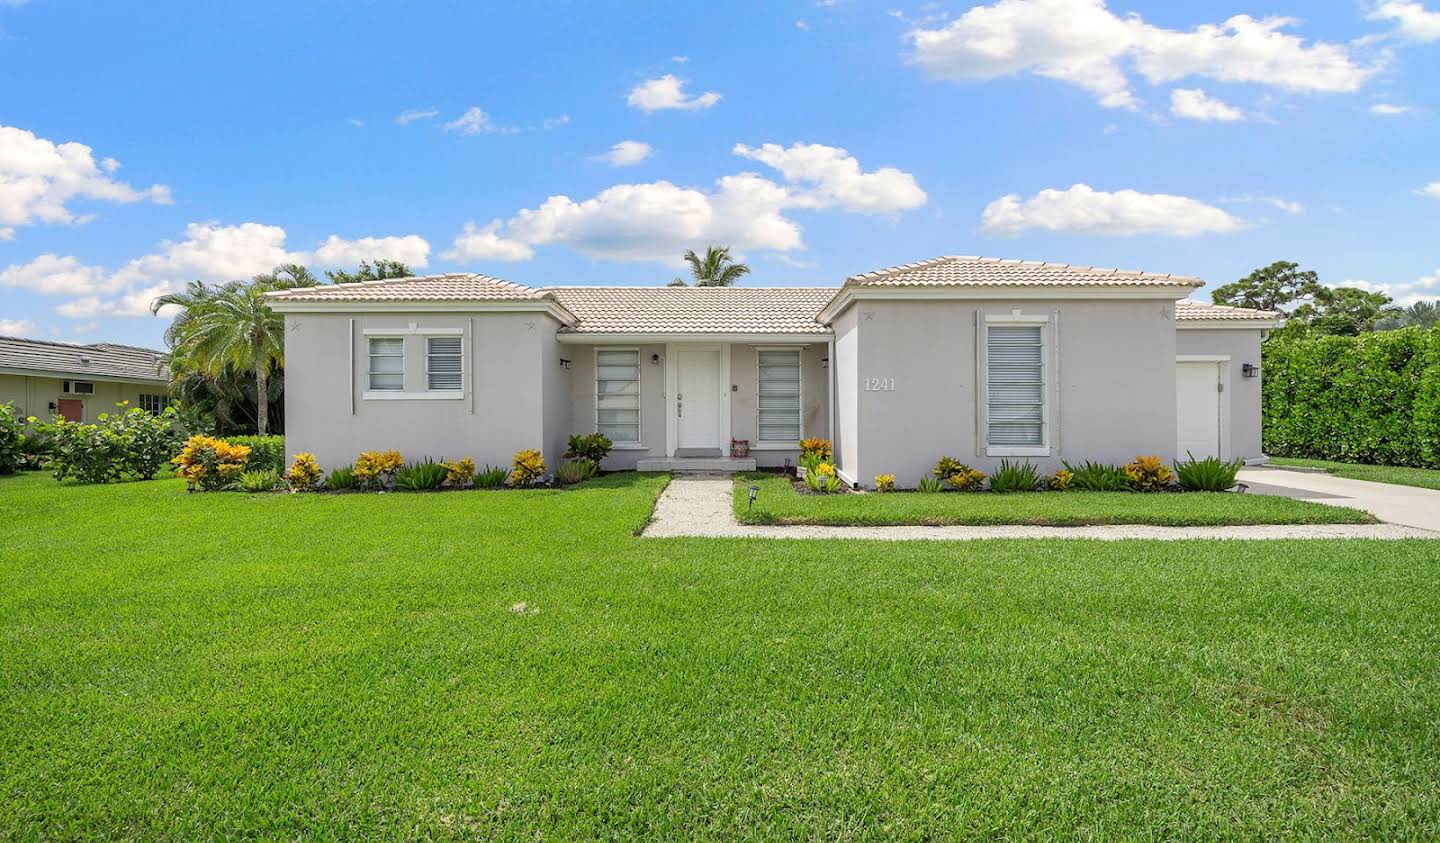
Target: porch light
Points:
(564, 364)
(824, 362)
(1249, 370)
(655, 359)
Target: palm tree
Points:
(1421, 314)
(716, 269)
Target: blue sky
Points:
(145, 145)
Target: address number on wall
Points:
(879, 384)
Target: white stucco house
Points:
(978, 358)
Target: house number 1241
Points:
(879, 384)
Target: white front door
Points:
(697, 398)
(1197, 401)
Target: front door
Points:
(1197, 403)
(697, 398)
(73, 409)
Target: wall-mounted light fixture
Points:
(824, 362)
(564, 364)
(1249, 370)
(655, 359)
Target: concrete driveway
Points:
(1407, 505)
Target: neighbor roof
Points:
(969, 271)
(694, 310)
(458, 286)
(1187, 310)
(98, 360)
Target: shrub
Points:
(421, 476)
(129, 442)
(1098, 477)
(12, 440)
(592, 446)
(304, 473)
(460, 473)
(1015, 477)
(374, 468)
(1148, 474)
(1059, 481)
(574, 471)
(208, 463)
(946, 466)
(884, 483)
(341, 478)
(259, 481)
(929, 485)
(265, 451)
(823, 479)
(147, 440)
(810, 460)
(816, 445)
(966, 479)
(491, 477)
(1208, 475)
(526, 468)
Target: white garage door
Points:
(1197, 400)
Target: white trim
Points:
(679, 337)
(396, 395)
(58, 375)
(775, 446)
(671, 434)
(725, 393)
(352, 367)
(799, 397)
(1227, 324)
(560, 314)
(414, 330)
(999, 293)
(829, 369)
(1202, 358)
(630, 446)
(370, 364)
(639, 443)
(1048, 357)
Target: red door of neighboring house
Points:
(72, 409)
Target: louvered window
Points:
(387, 363)
(444, 363)
(779, 404)
(1015, 365)
(617, 395)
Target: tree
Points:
(716, 269)
(381, 270)
(1421, 314)
(1270, 288)
(677, 282)
(1343, 311)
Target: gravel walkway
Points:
(699, 506)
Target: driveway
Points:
(1405, 505)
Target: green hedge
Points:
(1374, 398)
(266, 452)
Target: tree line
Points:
(1313, 309)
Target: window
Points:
(1015, 378)
(617, 395)
(444, 363)
(387, 363)
(154, 404)
(779, 398)
(79, 387)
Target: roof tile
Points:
(459, 286)
(101, 360)
(970, 271)
(1187, 310)
(699, 310)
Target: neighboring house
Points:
(46, 379)
(978, 358)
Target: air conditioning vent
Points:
(79, 388)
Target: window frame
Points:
(370, 372)
(639, 442)
(1047, 385)
(163, 399)
(460, 389)
(799, 353)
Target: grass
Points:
(779, 503)
(293, 666)
(1425, 478)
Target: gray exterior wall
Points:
(1243, 346)
(581, 402)
(32, 396)
(1112, 383)
(744, 397)
(500, 412)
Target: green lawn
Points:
(278, 666)
(779, 503)
(1425, 478)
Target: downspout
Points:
(830, 395)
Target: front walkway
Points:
(1407, 505)
(700, 506)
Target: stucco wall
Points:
(1242, 346)
(744, 408)
(32, 396)
(847, 385)
(581, 404)
(1112, 383)
(501, 410)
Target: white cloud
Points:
(356, 122)
(554, 122)
(659, 220)
(17, 327)
(1083, 43)
(411, 249)
(1195, 104)
(626, 153)
(39, 177)
(7, 233)
(668, 92)
(1389, 109)
(476, 122)
(1432, 190)
(405, 118)
(53, 275)
(1291, 208)
(1403, 293)
(680, 59)
(838, 179)
(1411, 19)
(1083, 210)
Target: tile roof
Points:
(1190, 310)
(458, 286)
(697, 310)
(953, 271)
(99, 360)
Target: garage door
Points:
(1197, 400)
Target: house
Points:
(979, 358)
(46, 379)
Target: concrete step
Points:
(708, 464)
